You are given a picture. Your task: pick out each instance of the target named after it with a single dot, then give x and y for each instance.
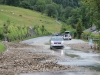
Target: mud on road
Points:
(17, 60)
(25, 58)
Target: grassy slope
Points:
(29, 18)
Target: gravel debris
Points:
(15, 60)
(83, 46)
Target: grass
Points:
(2, 47)
(28, 18)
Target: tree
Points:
(1, 1)
(59, 10)
(66, 3)
(42, 29)
(40, 5)
(51, 11)
(67, 12)
(94, 6)
(79, 28)
(85, 16)
(48, 1)
(25, 4)
(63, 29)
(11, 2)
(73, 18)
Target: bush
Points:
(2, 47)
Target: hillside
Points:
(19, 16)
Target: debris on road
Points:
(15, 61)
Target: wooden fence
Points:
(95, 41)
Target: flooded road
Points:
(63, 73)
(80, 58)
(87, 60)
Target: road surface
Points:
(88, 62)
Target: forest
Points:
(68, 11)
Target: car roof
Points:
(56, 36)
(67, 31)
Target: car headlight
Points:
(52, 42)
(62, 42)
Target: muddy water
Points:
(80, 58)
(63, 73)
(77, 58)
(73, 58)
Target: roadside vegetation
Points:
(18, 24)
(24, 17)
(48, 16)
(2, 47)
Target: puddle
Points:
(79, 63)
(77, 58)
(67, 48)
(81, 54)
(72, 55)
(96, 68)
(63, 73)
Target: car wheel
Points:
(50, 47)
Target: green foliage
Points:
(2, 47)
(66, 13)
(11, 2)
(1, 33)
(59, 9)
(66, 28)
(40, 5)
(79, 28)
(86, 16)
(73, 19)
(25, 4)
(51, 10)
(94, 6)
(42, 29)
(12, 32)
(94, 35)
(65, 3)
(86, 33)
(99, 43)
(63, 28)
(28, 18)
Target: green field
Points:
(24, 17)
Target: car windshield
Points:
(57, 38)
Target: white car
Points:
(67, 37)
(57, 42)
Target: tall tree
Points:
(60, 11)
(25, 4)
(48, 1)
(51, 10)
(79, 28)
(94, 6)
(85, 16)
(40, 5)
(12, 2)
(74, 16)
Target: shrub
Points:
(2, 47)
